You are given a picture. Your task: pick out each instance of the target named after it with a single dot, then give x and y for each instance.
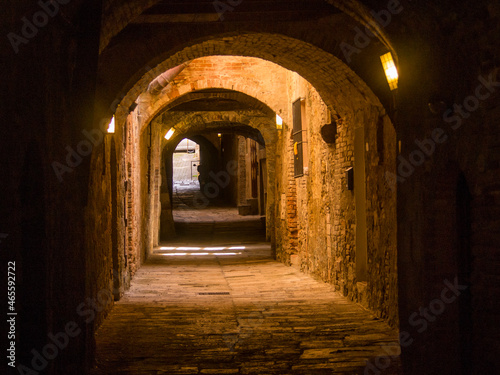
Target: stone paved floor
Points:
(233, 310)
(214, 222)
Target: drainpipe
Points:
(162, 81)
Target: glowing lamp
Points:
(391, 72)
(169, 134)
(111, 126)
(279, 122)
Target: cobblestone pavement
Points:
(233, 310)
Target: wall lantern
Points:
(391, 72)
(111, 126)
(169, 134)
(279, 122)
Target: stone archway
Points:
(334, 93)
(351, 105)
(232, 123)
(339, 87)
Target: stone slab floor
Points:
(231, 309)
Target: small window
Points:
(298, 137)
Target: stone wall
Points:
(381, 218)
(317, 227)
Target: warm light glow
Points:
(199, 254)
(279, 122)
(173, 251)
(391, 72)
(219, 135)
(111, 126)
(169, 134)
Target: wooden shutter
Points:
(298, 157)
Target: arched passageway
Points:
(293, 206)
(250, 113)
(215, 202)
(229, 125)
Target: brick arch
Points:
(223, 93)
(240, 84)
(193, 122)
(167, 153)
(220, 120)
(340, 88)
(197, 138)
(216, 127)
(118, 14)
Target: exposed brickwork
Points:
(334, 81)
(241, 74)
